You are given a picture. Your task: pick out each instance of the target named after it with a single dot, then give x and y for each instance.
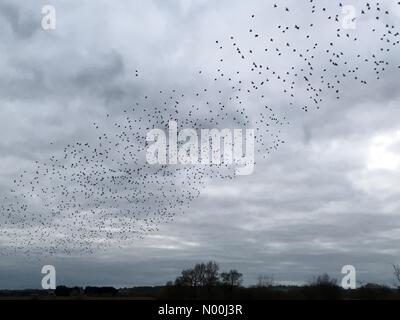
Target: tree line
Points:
(206, 281)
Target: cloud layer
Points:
(326, 198)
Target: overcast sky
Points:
(326, 198)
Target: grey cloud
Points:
(307, 209)
(21, 21)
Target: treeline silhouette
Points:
(205, 281)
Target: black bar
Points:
(151, 309)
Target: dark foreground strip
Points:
(237, 309)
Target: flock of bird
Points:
(102, 193)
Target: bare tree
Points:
(199, 274)
(187, 278)
(264, 281)
(232, 278)
(211, 276)
(324, 279)
(192, 278)
(396, 272)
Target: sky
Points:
(327, 197)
